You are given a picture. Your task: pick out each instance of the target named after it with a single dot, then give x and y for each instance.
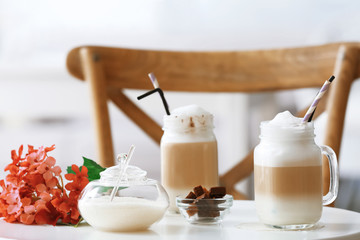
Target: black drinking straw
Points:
(147, 93)
(157, 89)
(312, 115)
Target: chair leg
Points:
(93, 73)
(345, 71)
(240, 171)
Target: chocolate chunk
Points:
(191, 195)
(217, 192)
(198, 190)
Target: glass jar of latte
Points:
(188, 152)
(288, 174)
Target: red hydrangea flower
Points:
(33, 191)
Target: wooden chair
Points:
(110, 70)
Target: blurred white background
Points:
(41, 104)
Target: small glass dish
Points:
(204, 211)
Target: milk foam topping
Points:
(188, 118)
(285, 125)
(285, 119)
(286, 141)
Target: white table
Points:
(241, 223)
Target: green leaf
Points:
(69, 170)
(94, 169)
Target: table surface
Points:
(240, 222)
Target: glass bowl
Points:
(137, 201)
(204, 211)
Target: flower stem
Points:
(76, 225)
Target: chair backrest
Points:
(110, 70)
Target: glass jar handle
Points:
(334, 175)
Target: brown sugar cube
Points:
(191, 195)
(212, 203)
(208, 213)
(198, 190)
(205, 196)
(188, 201)
(202, 196)
(192, 210)
(207, 193)
(209, 209)
(217, 192)
(214, 213)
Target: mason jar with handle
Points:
(288, 174)
(188, 152)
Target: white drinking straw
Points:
(158, 89)
(319, 95)
(153, 80)
(124, 162)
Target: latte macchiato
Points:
(282, 194)
(188, 152)
(288, 173)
